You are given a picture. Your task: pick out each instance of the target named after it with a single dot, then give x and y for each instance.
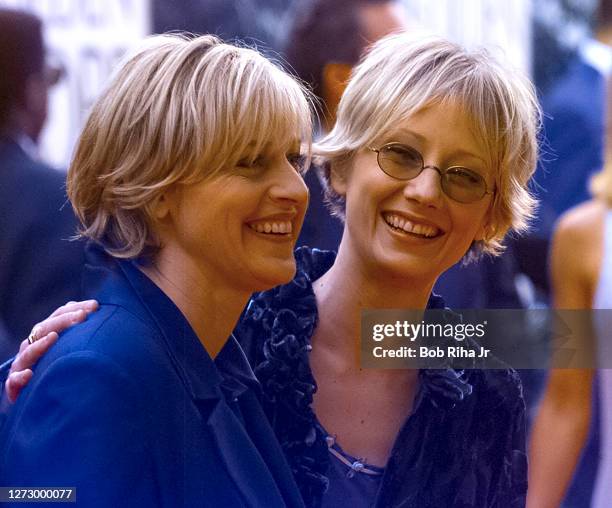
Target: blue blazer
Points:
(130, 409)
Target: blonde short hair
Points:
(400, 76)
(178, 110)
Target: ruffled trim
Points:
(288, 317)
(445, 386)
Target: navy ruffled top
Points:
(463, 445)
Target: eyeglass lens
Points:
(405, 163)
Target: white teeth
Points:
(283, 227)
(411, 227)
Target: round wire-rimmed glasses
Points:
(403, 162)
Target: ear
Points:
(161, 207)
(334, 79)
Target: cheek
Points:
(203, 218)
(368, 189)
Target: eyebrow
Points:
(457, 153)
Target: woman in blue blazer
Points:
(186, 181)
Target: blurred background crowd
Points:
(53, 65)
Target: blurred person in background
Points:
(581, 277)
(596, 216)
(571, 61)
(39, 267)
(571, 66)
(327, 38)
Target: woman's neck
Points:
(350, 286)
(211, 307)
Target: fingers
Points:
(30, 355)
(24, 344)
(58, 323)
(86, 305)
(17, 382)
(44, 334)
(72, 312)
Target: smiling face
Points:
(238, 227)
(410, 229)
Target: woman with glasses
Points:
(427, 164)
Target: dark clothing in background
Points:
(574, 111)
(39, 268)
(259, 22)
(572, 151)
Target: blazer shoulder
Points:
(115, 333)
(90, 423)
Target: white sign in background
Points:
(86, 37)
(503, 27)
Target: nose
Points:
(288, 187)
(426, 188)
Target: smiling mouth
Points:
(405, 226)
(273, 228)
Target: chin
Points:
(277, 273)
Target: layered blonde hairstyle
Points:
(179, 110)
(400, 76)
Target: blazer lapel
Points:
(242, 461)
(242, 389)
